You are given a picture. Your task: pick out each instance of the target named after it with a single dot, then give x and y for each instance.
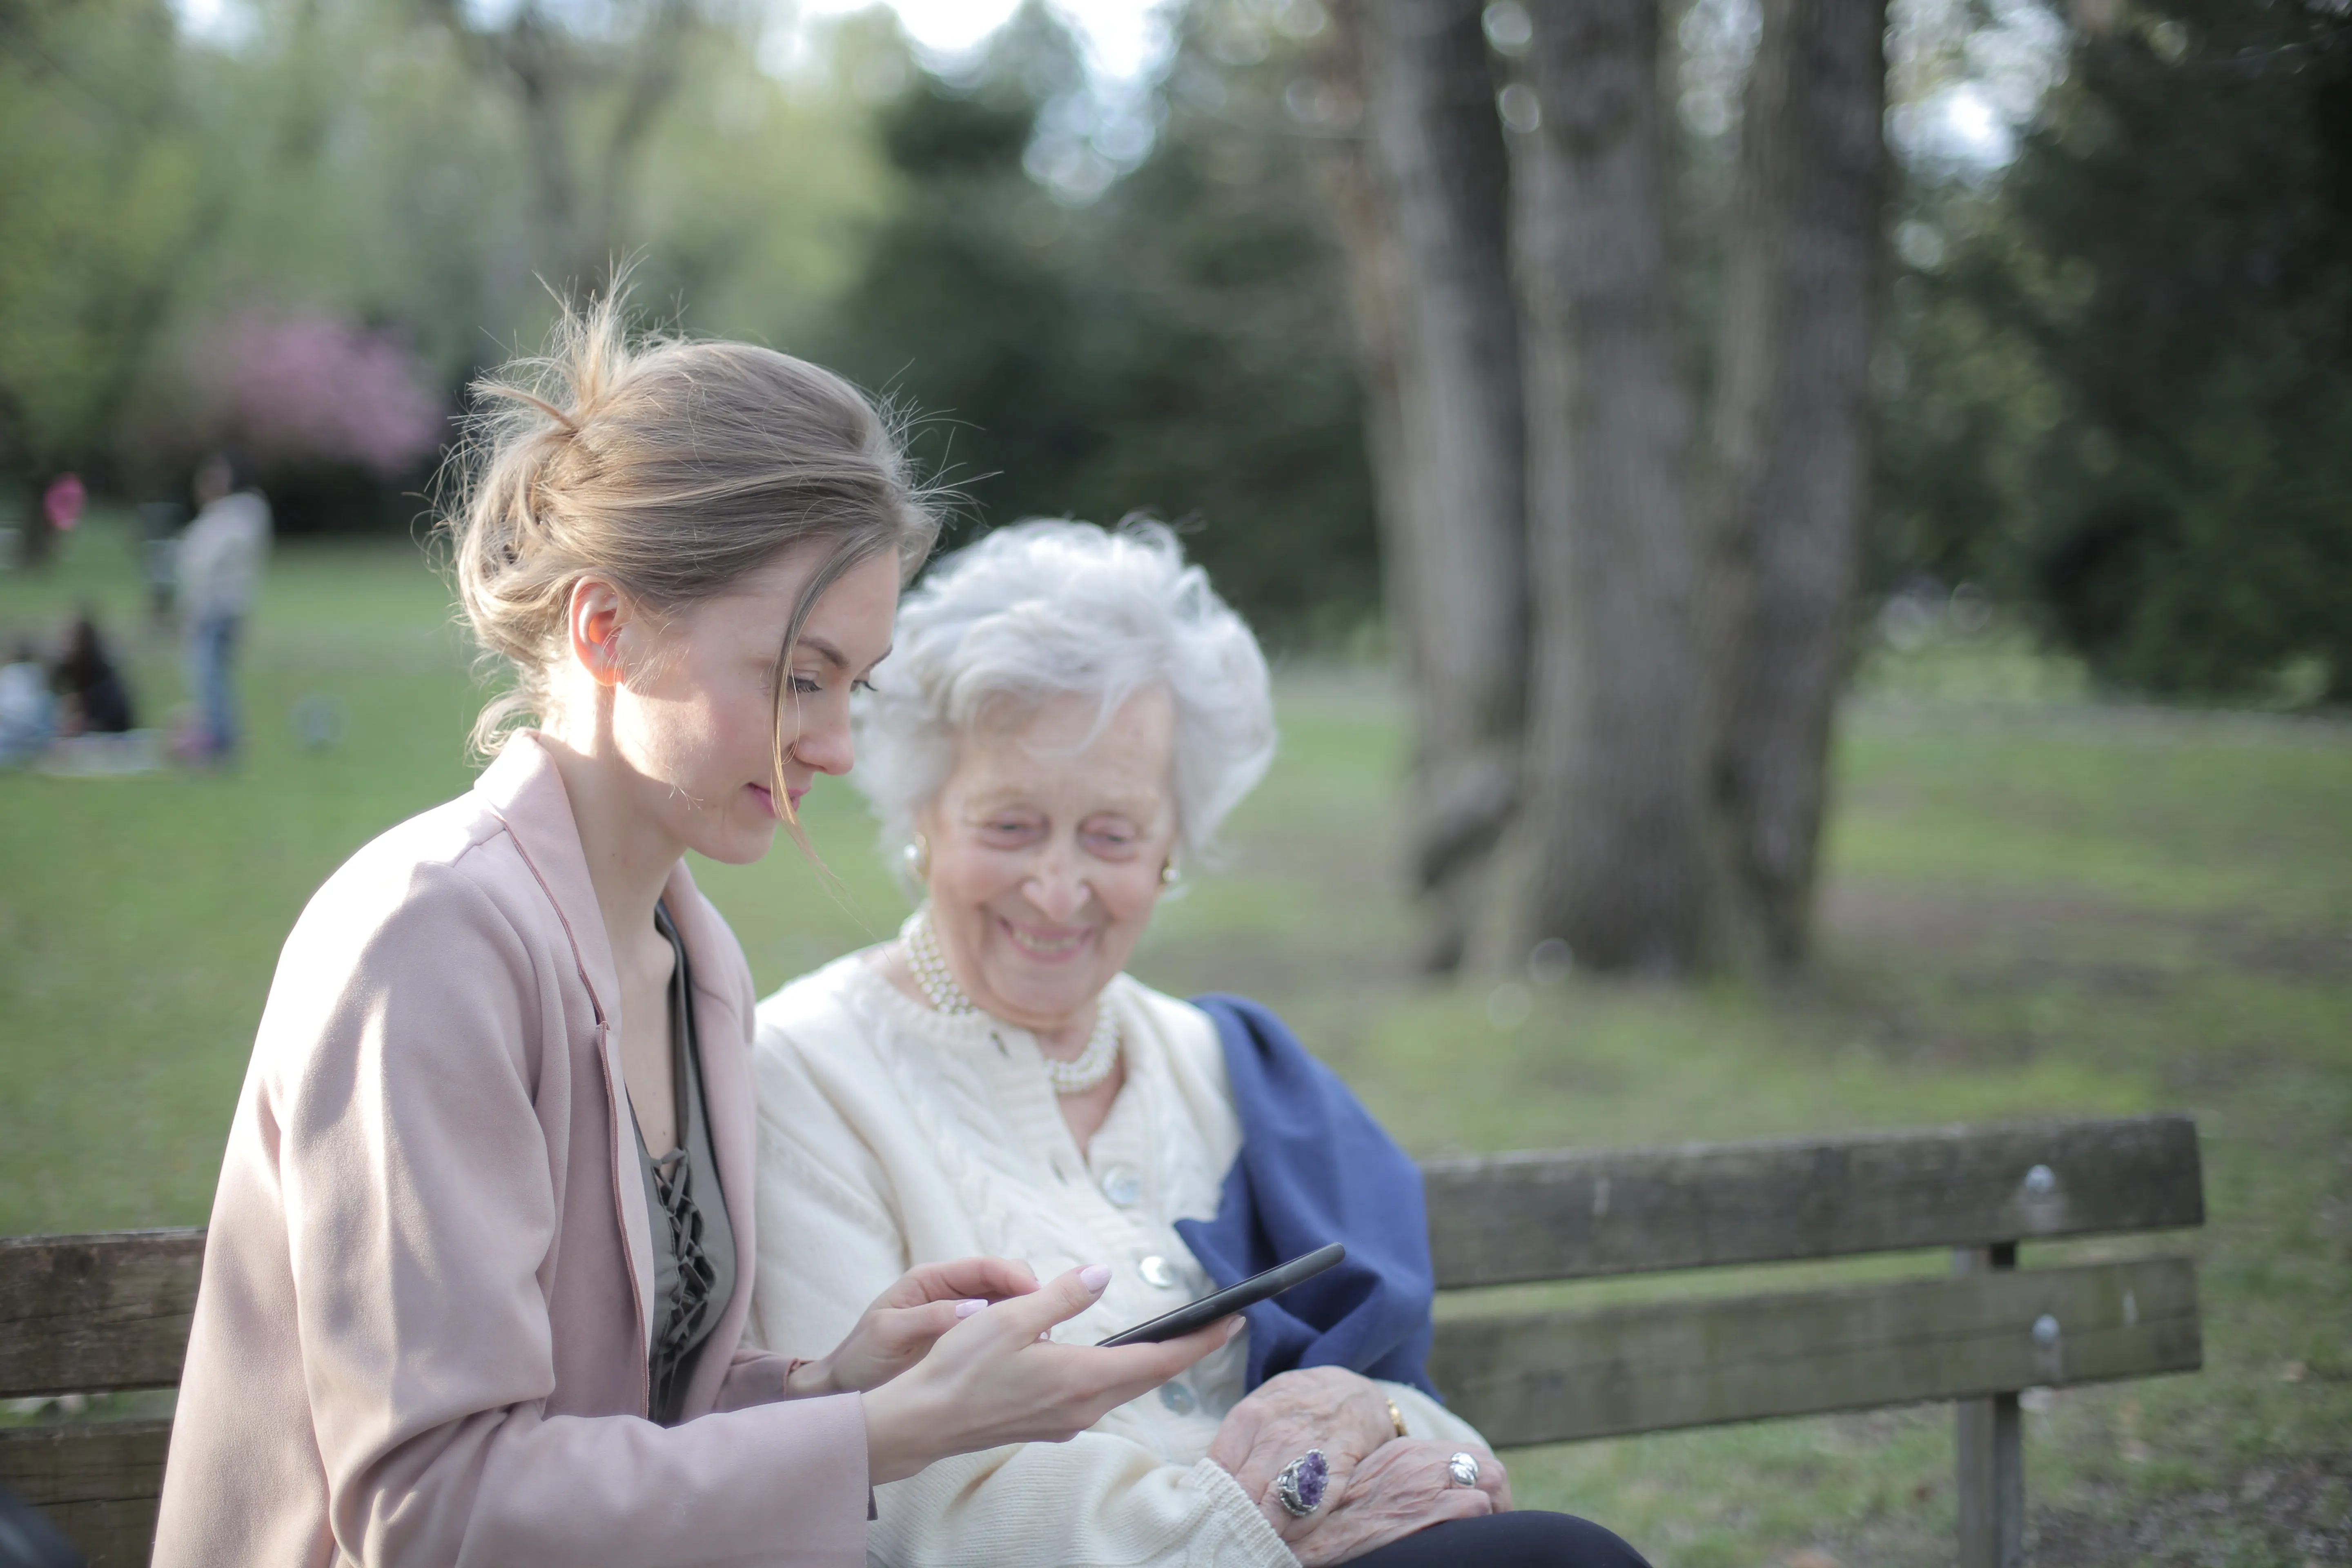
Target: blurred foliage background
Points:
(429, 177)
(2117, 386)
(2114, 381)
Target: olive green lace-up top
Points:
(694, 1245)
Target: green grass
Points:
(2035, 906)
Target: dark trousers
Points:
(1530, 1539)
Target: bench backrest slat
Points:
(98, 1484)
(1509, 1218)
(88, 1313)
(85, 1315)
(1559, 1376)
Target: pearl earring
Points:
(1171, 873)
(917, 858)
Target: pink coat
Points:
(422, 1332)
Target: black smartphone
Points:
(1224, 1303)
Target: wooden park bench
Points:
(88, 1313)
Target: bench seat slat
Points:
(98, 1483)
(1562, 1375)
(1570, 1214)
(86, 1314)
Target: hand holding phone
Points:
(1224, 1303)
(997, 1377)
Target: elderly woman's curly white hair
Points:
(1046, 609)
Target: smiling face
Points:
(694, 721)
(1047, 851)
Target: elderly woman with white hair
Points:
(1069, 715)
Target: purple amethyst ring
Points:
(1300, 1484)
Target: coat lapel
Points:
(524, 788)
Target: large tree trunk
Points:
(1619, 724)
(1448, 449)
(1793, 446)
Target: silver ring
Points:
(1299, 1487)
(1464, 1469)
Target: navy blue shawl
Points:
(1313, 1168)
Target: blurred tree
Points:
(1168, 345)
(1429, 191)
(1963, 403)
(101, 197)
(1240, 407)
(967, 306)
(589, 86)
(1618, 725)
(2128, 370)
(1793, 433)
(1682, 663)
(339, 160)
(304, 389)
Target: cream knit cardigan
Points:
(891, 1134)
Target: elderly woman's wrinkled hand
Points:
(1407, 1485)
(1341, 1412)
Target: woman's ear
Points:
(597, 618)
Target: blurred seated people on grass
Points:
(28, 713)
(219, 564)
(92, 699)
(1067, 716)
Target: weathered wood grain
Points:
(1557, 1376)
(82, 1314)
(1573, 1215)
(98, 1483)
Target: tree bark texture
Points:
(1619, 726)
(1367, 232)
(1452, 472)
(1793, 434)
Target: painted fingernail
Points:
(966, 1309)
(1095, 1276)
(1235, 1328)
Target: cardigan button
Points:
(1157, 1272)
(1122, 1186)
(1177, 1397)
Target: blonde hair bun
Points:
(671, 468)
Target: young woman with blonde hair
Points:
(482, 1250)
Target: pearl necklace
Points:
(1090, 1068)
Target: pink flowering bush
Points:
(307, 388)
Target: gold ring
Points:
(1396, 1419)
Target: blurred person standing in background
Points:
(220, 563)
